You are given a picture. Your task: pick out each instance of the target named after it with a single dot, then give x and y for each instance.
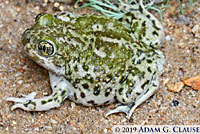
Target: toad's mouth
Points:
(46, 63)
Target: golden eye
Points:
(45, 48)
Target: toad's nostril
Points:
(26, 31)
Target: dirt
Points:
(19, 74)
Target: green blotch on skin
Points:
(43, 102)
(76, 68)
(54, 94)
(63, 93)
(85, 67)
(120, 91)
(89, 78)
(149, 61)
(85, 86)
(145, 83)
(50, 100)
(135, 71)
(30, 102)
(55, 98)
(108, 90)
(96, 90)
(135, 25)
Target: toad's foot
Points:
(122, 108)
(119, 108)
(20, 101)
(60, 93)
(28, 103)
(128, 109)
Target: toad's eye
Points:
(46, 48)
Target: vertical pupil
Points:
(44, 48)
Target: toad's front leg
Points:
(60, 92)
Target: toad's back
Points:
(98, 65)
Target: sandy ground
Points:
(19, 74)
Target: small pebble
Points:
(131, 120)
(181, 72)
(194, 82)
(20, 82)
(177, 87)
(53, 121)
(165, 81)
(56, 4)
(37, 8)
(73, 105)
(168, 38)
(1, 82)
(175, 103)
(82, 126)
(61, 8)
(105, 130)
(71, 123)
(45, 93)
(180, 44)
(7, 2)
(14, 122)
(195, 29)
